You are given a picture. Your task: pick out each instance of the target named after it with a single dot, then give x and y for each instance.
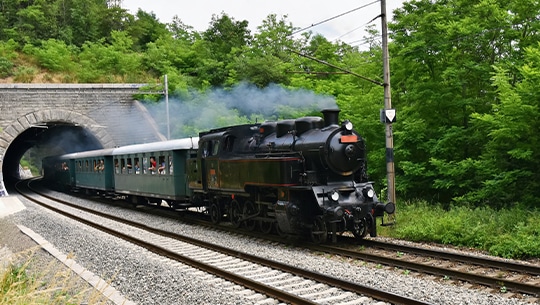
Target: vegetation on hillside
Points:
(463, 83)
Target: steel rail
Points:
(457, 257)
(435, 270)
(243, 281)
(345, 285)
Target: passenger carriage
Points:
(93, 170)
(60, 171)
(136, 177)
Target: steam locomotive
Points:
(298, 177)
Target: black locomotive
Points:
(304, 177)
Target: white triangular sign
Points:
(390, 114)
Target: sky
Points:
(349, 28)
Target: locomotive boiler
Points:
(306, 175)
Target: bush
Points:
(54, 55)
(24, 74)
(6, 67)
(510, 233)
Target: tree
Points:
(222, 40)
(182, 31)
(443, 56)
(510, 164)
(145, 28)
(268, 58)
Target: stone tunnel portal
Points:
(42, 140)
(69, 117)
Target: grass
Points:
(25, 281)
(510, 233)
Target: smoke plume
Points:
(245, 103)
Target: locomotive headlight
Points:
(334, 195)
(369, 193)
(347, 125)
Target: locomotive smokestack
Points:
(331, 117)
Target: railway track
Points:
(501, 276)
(279, 281)
(457, 257)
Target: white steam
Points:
(242, 104)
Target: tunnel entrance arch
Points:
(48, 132)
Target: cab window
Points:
(215, 146)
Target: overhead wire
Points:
(335, 17)
(355, 29)
(332, 18)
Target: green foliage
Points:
(145, 28)
(24, 74)
(14, 278)
(262, 71)
(510, 233)
(98, 60)
(167, 55)
(6, 67)
(73, 22)
(21, 283)
(29, 163)
(7, 55)
(221, 40)
(53, 55)
(445, 55)
(512, 140)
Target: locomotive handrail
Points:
(276, 154)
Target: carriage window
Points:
(152, 165)
(123, 165)
(145, 165)
(137, 166)
(117, 166)
(100, 165)
(79, 166)
(161, 166)
(129, 166)
(86, 165)
(95, 166)
(170, 165)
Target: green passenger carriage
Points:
(140, 180)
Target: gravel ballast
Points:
(146, 278)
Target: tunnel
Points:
(38, 141)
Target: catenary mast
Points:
(389, 113)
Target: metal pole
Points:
(167, 106)
(388, 105)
